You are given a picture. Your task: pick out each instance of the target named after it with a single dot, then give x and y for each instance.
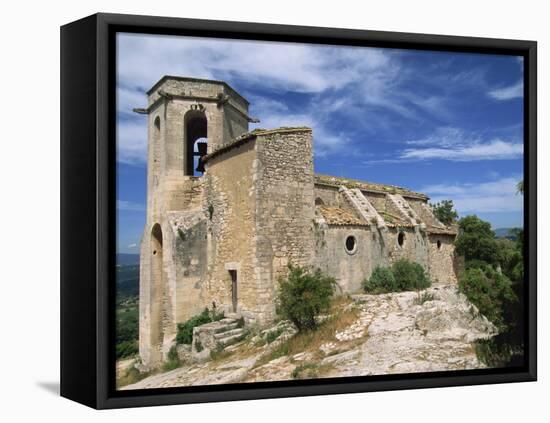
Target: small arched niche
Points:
(195, 142)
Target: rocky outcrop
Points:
(407, 332)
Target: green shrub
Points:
(381, 281)
(305, 371)
(409, 276)
(303, 295)
(173, 359)
(272, 335)
(185, 330)
(490, 291)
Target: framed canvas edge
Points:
(106, 24)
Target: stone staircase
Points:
(363, 206)
(217, 336)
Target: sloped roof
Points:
(366, 186)
(339, 216)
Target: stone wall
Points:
(349, 268)
(230, 207)
(441, 252)
(285, 209)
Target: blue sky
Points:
(446, 124)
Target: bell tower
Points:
(188, 118)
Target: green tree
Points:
(444, 212)
(476, 240)
(520, 187)
(303, 295)
(490, 291)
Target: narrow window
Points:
(401, 238)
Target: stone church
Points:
(228, 209)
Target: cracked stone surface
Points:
(394, 333)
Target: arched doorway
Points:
(195, 141)
(157, 288)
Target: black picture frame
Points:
(88, 209)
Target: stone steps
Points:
(231, 337)
(216, 336)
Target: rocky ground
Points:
(404, 332)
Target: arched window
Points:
(439, 244)
(157, 287)
(319, 202)
(156, 145)
(195, 142)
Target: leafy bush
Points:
(409, 276)
(272, 335)
(490, 291)
(381, 281)
(185, 330)
(303, 295)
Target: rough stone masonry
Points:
(229, 209)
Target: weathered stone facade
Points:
(223, 238)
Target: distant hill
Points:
(124, 259)
(505, 233)
(127, 275)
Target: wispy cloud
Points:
(132, 246)
(508, 93)
(129, 206)
(455, 144)
(493, 150)
(488, 196)
(132, 141)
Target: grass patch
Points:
(131, 376)
(310, 370)
(173, 360)
(273, 335)
(310, 340)
(421, 299)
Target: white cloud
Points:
(455, 144)
(493, 150)
(508, 93)
(484, 197)
(132, 246)
(132, 141)
(129, 206)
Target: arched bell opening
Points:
(196, 142)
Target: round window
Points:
(401, 238)
(351, 244)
